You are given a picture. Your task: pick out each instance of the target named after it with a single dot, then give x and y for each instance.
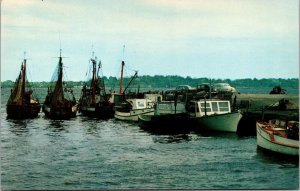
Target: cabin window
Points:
(203, 105)
(141, 104)
(224, 106)
(214, 106)
(208, 108)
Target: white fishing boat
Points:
(130, 109)
(277, 136)
(213, 115)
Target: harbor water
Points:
(84, 153)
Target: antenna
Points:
(93, 52)
(123, 51)
(59, 41)
(24, 55)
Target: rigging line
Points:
(101, 69)
(90, 65)
(129, 68)
(65, 76)
(87, 72)
(54, 75)
(30, 83)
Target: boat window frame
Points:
(210, 110)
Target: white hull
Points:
(222, 122)
(133, 114)
(276, 143)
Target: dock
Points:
(257, 107)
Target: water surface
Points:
(84, 153)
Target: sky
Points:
(217, 39)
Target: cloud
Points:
(155, 32)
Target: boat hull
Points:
(278, 144)
(104, 112)
(60, 112)
(22, 111)
(132, 115)
(222, 122)
(168, 123)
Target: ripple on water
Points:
(84, 153)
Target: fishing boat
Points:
(60, 102)
(94, 102)
(21, 103)
(278, 136)
(169, 117)
(128, 109)
(213, 115)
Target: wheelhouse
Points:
(210, 107)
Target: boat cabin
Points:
(209, 107)
(140, 103)
(169, 107)
(154, 97)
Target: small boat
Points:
(60, 102)
(94, 102)
(169, 117)
(130, 109)
(278, 136)
(213, 115)
(21, 104)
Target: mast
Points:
(60, 69)
(121, 80)
(58, 95)
(101, 82)
(23, 78)
(94, 82)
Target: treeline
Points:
(160, 81)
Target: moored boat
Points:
(213, 115)
(278, 136)
(60, 102)
(169, 117)
(130, 109)
(94, 102)
(21, 103)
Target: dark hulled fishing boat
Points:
(21, 104)
(94, 102)
(60, 102)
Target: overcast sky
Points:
(198, 38)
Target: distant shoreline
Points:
(168, 82)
